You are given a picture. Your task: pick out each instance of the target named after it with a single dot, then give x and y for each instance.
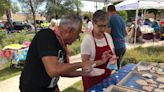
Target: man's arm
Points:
(54, 68)
(105, 57)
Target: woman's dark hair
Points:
(99, 15)
(87, 18)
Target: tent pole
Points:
(136, 26)
(96, 6)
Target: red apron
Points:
(91, 81)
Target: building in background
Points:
(24, 17)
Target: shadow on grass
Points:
(9, 72)
(72, 89)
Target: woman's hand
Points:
(105, 56)
(113, 60)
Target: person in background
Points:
(97, 47)
(9, 27)
(47, 58)
(155, 26)
(89, 23)
(118, 32)
(53, 24)
(147, 22)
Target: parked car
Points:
(21, 26)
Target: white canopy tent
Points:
(139, 4)
(105, 2)
(153, 0)
(136, 4)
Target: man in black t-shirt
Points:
(46, 58)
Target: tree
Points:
(57, 8)
(14, 7)
(4, 6)
(78, 4)
(123, 14)
(33, 6)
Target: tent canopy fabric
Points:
(136, 4)
(140, 4)
(154, 0)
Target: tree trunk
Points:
(34, 22)
(33, 13)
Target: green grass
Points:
(148, 54)
(8, 72)
(77, 87)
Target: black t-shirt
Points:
(34, 76)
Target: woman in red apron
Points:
(99, 27)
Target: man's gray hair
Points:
(70, 21)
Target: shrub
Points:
(75, 47)
(15, 38)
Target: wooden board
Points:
(149, 68)
(130, 80)
(116, 88)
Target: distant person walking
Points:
(89, 23)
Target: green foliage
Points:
(115, 3)
(4, 5)
(31, 5)
(58, 8)
(123, 14)
(149, 54)
(15, 38)
(75, 47)
(104, 8)
(131, 15)
(2, 37)
(14, 7)
(89, 14)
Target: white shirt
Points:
(90, 26)
(88, 44)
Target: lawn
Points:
(8, 72)
(77, 87)
(148, 54)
